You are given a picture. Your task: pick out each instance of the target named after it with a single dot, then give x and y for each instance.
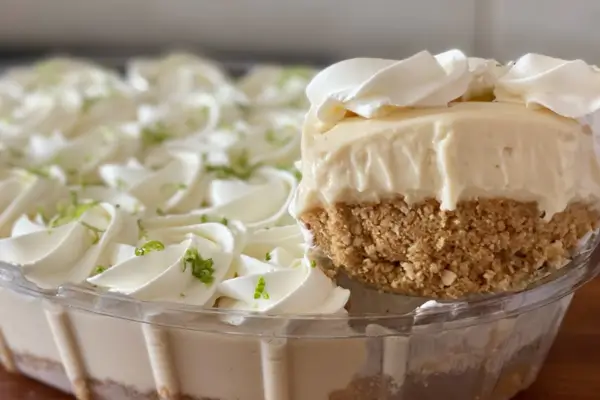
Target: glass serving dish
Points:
(108, 346)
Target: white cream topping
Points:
(261, 201)
(369, 87)
(569, 88)
(69, 251)
(24, 192)
(175, 76)
(186, 267)
(81, 157)
(174, 187)
(273, 276)
(274, 86)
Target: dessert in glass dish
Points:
(443, 216)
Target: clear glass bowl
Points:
(107, 346)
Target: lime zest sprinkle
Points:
(88, 103)
(203, 218)
(41, 211)
(195, 121)
(260, 291)
(143, 233)
(155, 134)
(224, 221)
(70, 212)
(313, 263)
(292, 170)
(275, 139)
(96, 232)
(98, 270)
(15, 153)
(121, 184)
(71, 171)
(290, 73)
(201, 268)
(152, 245)
(268, 256)
(160, 212)
(239, 168)
(168, 188)
(42, 172)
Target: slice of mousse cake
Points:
(410, 188)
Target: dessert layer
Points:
(466, 151)
(488, 245)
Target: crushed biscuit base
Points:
(486, 245)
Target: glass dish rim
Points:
(443, 316)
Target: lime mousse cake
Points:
(443, 176)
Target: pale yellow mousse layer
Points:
(466, 151)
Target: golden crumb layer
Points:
(483, 246)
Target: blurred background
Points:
(316, 30)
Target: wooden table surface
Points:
(572, 371)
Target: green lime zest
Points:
(42, 172)
(88, 103)
(15, 153)
(70, 212)
(290, 73)
(155, 134)
(98, 270)
(240, 168)
(41, 211)
(272, 137)
(96, 232)
(171, 188)
(195, 121)
(142, 231)
(292, 170)
(260, 291)
(268, 256)
(121, 184)
(152, 245)
(201, 268)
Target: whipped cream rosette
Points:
(273, 137)
(70, 245)
(370, 87)
(258, 200)
(174, 263)
(114, 196)
(193, 114)
(272, 275)
(81, 157)
(570, 88)
(40, 114)
(178, 185)
(276, 86)
(65, 96)
(176, 75)
(57, 74)
(25, 191)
